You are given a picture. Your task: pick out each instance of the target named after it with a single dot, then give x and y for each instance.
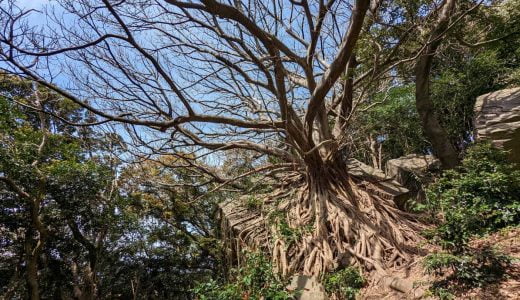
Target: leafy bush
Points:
(472, 269)
(481, 196)
(441, 293)
(254, 280)
(344, 283)
(287, 233)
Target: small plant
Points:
(476, 268)
(441, 293)
(253, 203)
(254, 280)
(344, 283)
(288, 234)
(437, 263)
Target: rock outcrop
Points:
(413, 172)
(245, 226)
(383, 185)
(497, 119)
(235, 218)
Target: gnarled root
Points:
(349, 226)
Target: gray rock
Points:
(383, 185)
(413, 172)
(497, 119)
(309, 287)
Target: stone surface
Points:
(413, 172)
(235, 216)
(383, 185)
(412, 163)
(309, 288)
(497, 119)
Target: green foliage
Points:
(393, 122)
(253, 203)
(456, 88)
(288, 233)
(130, 231)
(344, 283)
(481, 196)
(461, 74)
(436, 263)
(474, 268)
(48, 160)
(441, 293)
(254, 280)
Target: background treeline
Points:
(78, 222)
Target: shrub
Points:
(441, 293)
(344, 284)
(471, 269)
(481, 196)
(253, 203)
(254, 280)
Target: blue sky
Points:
(35, 4)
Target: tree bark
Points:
(345, 105)
(436, 134)
(31, 271)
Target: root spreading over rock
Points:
(317, 221)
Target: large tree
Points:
(282, 79)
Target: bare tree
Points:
(279, 78)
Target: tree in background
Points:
(57, 201)
(75, 223)
(479, 57)
(389, 129)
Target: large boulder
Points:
(413, 172)
(497, 119)
(382, 185)
(235, 217)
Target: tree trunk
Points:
(373, 152)
(435, 133)
(31, 271)
(431, 126)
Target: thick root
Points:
(349, 226)
(330, 221)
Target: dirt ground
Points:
(506, 241)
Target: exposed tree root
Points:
(346, 225)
